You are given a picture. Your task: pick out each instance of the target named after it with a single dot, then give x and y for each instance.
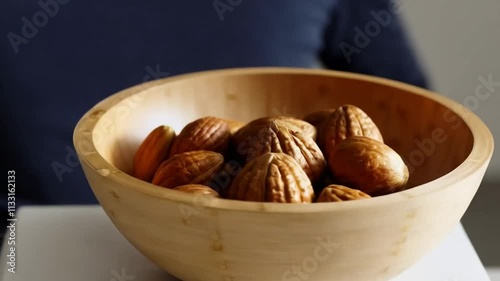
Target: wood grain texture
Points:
(195, 238)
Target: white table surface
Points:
(79, 243)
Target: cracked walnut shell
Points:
(346, 121)
(306, 128)
(194, 167)
(279, 136)
(207, 133)
(272, 177)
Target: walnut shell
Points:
(368, 165)
(337, 193)
(279, 136)
(194, 167)
(152, 152)
(307, 128)
(346, 121)
(272, 177)
(207, 133)
(198, 189)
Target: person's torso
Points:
(60, 58)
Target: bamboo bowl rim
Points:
(478, 158)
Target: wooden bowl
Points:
(447, 149)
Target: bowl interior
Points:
(431, 137)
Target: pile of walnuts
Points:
(328, 156)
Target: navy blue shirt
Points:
(60, 57)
